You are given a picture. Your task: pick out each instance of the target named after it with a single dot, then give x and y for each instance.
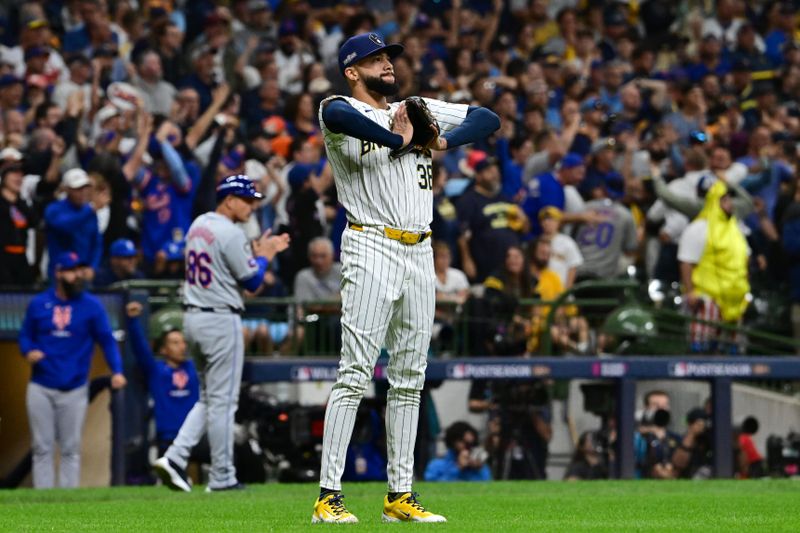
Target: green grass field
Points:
(502, 507)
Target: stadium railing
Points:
(606, 297)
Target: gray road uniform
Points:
(218, 260)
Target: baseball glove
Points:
(426, 129)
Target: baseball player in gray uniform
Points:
(388, 281)
(219, 263)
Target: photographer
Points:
(654, 444)
(692, 459)
(519, 426)
(464, 461)
(588, 461)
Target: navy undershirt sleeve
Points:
(341, 117)
(479, 124)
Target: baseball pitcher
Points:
(380, 154)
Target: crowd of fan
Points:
(621, 123)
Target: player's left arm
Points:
(462, 124)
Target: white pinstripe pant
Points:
(388, 299)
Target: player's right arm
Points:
(340, 117)
(28, 345)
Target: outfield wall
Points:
(14, 433)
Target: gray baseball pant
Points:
(56, 416)
(215, 340)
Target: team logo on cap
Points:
(375, 39)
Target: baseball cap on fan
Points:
(364, 45)
(75, 178)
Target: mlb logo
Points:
(303, 373)
(679, 370)
(458, 371)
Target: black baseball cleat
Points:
(172, 475)
(235, 486)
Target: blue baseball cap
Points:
(238, 185)
(174, 250)
(123, 248)
(299, 174)
(68, 261)
(364, 45)
(572, 160)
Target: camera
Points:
(479, 454)
(657, 417)
(783, 455)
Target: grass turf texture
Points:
(675, 506)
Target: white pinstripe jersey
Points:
(379, 191)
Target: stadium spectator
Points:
(490, 223)
(310, 185)
(122, 264)
(80, 77)
(316, 286)
(692, 457)
(173, 383)
(61, 327)
(16, 218)
(509, 318)
(169, 262)
(791, 245)
(168, 39)
(568, 331)
(587, 461)
(202, 78)
(603, 244)
(71, 224)
(157, 93)
(654, 444)
(550, 189)
(565, 257)
(452, 290)
(166, 186)
(714, 254)
(266, 327)
(464, 460)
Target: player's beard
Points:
(381, 87)
(73, 289)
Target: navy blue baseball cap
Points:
(68, 261)
(238, 185)
(123, 248)
(572, 160)
(364, 45)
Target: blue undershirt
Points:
(341, 117)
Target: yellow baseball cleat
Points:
(330, 509)
(406, 508)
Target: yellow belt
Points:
(406, 237)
